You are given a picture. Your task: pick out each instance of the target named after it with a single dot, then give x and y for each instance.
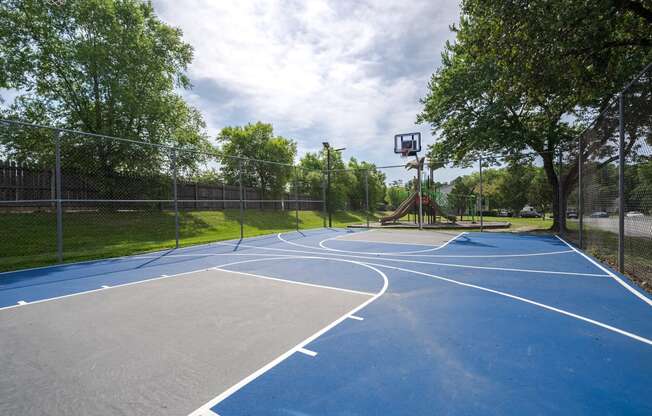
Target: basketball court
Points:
(329, 321)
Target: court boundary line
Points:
(151, 279)
(280, 237)
(526, 300)
(641, 296)
(102, 288)
(242, 383)
(417, 262)
(163, 250)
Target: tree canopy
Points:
(521, 78)
(271, 170)
(102, 66)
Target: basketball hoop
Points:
(407, 144)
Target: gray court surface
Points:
(161, 347)
(416, 237)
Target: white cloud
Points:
(348, 72)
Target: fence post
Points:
(580, 191)
(560, 203)
(174, 194)
(420, 195)
(57, 174)
(621, 185)
(481, 199)
(323, 197)
(296, 196)
(366, 194)
(241, 200)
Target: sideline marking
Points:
(357, 318)
(307, 352)
(294, 282)
(203, 410)
(526, 300)
(610, 273)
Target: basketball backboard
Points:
(407, 144)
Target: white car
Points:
(631, 214)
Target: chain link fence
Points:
(67, 195)
(613, 191)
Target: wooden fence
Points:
(22, 183)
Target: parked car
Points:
(631, 214)
(529, 214)
(504, 213)
(599, 214)
(571, 214)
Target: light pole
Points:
(327, 147)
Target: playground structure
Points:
(427, 204)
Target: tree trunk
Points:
(553, 180)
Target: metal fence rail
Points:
(613, 193)
(66, 194)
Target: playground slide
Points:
(407, 205)
(441, 213)
(402, 209)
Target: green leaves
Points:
(101, 66)
(521, 76)
(270, 171)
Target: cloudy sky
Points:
(348, 72)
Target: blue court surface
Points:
(477, 324)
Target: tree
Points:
(263, 160)
(539, 194)
(101, 66)
(522, 77)
(459, 197)
(375, 183)
(514, 186)
(397, 192)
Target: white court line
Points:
(294, 282)
(322, 244)
(21, 302)
(322, 247)
(307, 352)
(404, 254)
(205, 409)
(102, 289)
(610, 273)
(522, 299)
(465, 266)
(357, 318)
(106, 287)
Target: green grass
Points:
(517, 224)
(31, 237)
(523, 224)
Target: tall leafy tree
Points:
(102, 66)
(263, 160)
(522, 76)
(367, 179)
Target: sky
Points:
(347, 72)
